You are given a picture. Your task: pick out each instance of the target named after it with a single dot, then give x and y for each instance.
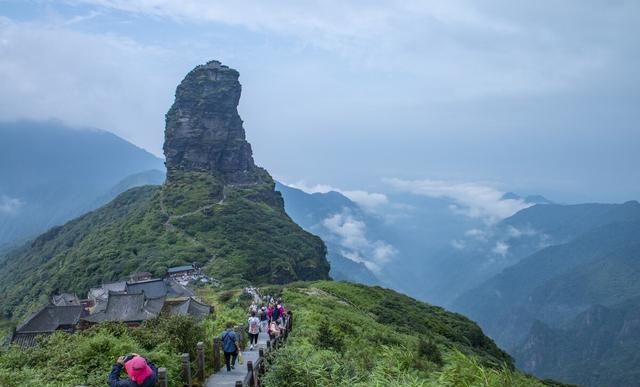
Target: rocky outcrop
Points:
(204, 130)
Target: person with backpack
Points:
(264, 319)
(230, 346)
(275, 313)
(141, 372)
(254, 330)
(274, 330)
(279, 313)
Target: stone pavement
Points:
(223, 378)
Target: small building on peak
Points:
(179, 271)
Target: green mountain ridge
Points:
(52, 173)
(503, 306)
(549, 296)
(232, 232)
(597, 348)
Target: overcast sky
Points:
(537, 97)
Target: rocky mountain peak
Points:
(204, 130)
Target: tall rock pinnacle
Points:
(203, 129)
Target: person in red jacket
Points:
(141, 372)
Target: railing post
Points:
(253, 381)
(162, 377)
(200, 352)
(216, 354)
(186, 369)
(261, 356)
(290, 321)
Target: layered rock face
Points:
(204, 131)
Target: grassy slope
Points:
(354, 335)
(340, 338)
(245, 238)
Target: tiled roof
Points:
(152, 289)
(128, 308)
(51, 318)
(174, 289)
(179, 269)
(102, 292)
(28, 339)
(189, 306)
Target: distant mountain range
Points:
(310, 211)
(591, 263)
(557, 285)
(52, 173)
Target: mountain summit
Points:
(217, 210)
(204, 130)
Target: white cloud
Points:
(368, 200)
(9, 205)
(514, 232)
(476, 233)
(458, 244)
(92, 80)
(472, 199)
(501, 248)
(457, 47)
(350, 230)
(351, 236)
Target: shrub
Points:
(329, 338)
(430, 351)
(224, 297)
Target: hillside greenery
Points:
(344, 335)
(237, 234)
(57, 173)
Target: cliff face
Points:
(204, 131)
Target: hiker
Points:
(254, 329)
(264, 319)
(270, 309)
(279, 313)
(230, 346)
(141, 372)
(274, 330)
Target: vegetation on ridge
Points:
(238, 234)
(344, 335)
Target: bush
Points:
(224, 297)
(430, 351)
(329, 338)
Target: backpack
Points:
(275, 314)
(253, 326)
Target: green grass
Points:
(342, 337)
